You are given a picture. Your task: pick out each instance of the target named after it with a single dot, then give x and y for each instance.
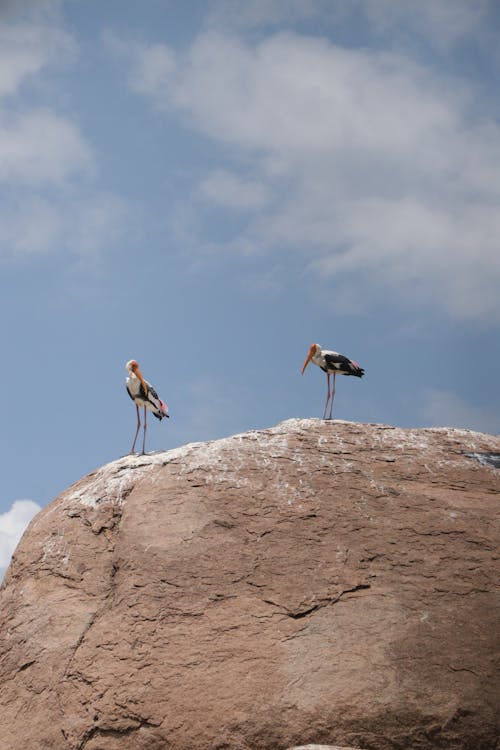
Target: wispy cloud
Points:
(441, 24)
(80, 227)
(372, 161)
(27, 47)
(12, 526)
(154, 65)
(233, 191)
(28, 158)
(51, 202)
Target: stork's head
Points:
(132, 367)
(312, 351)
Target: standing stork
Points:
(143, 394)
(334, 364)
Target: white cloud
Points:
(444, 408)
(29, 225)
(378, 168)
(416, 250)
(299, 97)
(232, 191)
(81, 226)
(304, 98)
(37, 145)
(12, 526)
(25, 49)
(154, 65)
(50, 203)
(41, 147)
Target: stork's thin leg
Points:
(137, 430)
(144, 437)
(327, 395)
(333, 395)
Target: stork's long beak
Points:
(308, 359)
(143, 382)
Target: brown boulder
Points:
(317, 582)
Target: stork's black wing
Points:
(152, 395)
(343, 365)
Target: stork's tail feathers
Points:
(159, 415)
(356, 370)
(161, 410)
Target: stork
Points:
(334, 364)
(143, 394)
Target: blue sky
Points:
(209, 187)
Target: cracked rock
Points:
(314, 585)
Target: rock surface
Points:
(317, 582)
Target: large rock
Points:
(318, 582)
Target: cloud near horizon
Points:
(372, 162)
(12, 526)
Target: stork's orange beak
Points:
(143, 382)
(308, 359)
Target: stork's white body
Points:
(319, 358)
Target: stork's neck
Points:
(318, 357)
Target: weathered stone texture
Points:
(318, 582)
